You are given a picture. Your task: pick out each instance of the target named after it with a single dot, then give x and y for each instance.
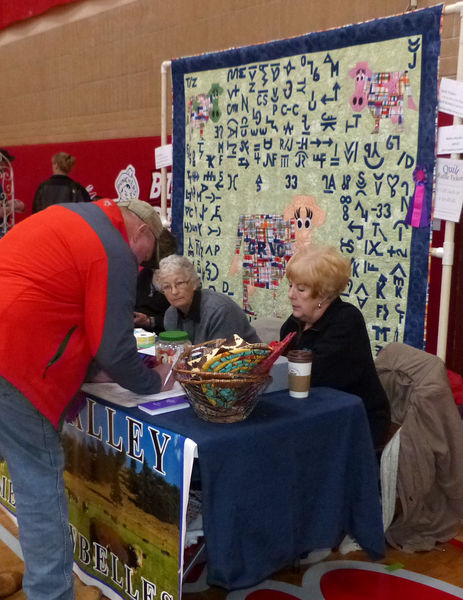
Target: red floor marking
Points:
(270, 595)
(358, 584)
(457, 543)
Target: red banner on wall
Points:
(107, 168)
(12, 11)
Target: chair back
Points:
(268, 328)
(429, 476)
(410, 376)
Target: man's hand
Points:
(101, 377)
(167, 375)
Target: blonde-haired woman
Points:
(59, 188)
(334, 330)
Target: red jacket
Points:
(67, 292)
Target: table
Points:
(297, 475)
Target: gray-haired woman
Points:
(203, 314)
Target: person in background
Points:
(204, 314)
(334, 330)
(151, 304)
(59, 188)
(67, 284)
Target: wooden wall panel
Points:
(98, 76)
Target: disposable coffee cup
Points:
(299, 372)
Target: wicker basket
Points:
(217, 396)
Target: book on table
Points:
(166, 404)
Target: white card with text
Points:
(451, 97)
(163, 156)
(450, 139)
(449, 189)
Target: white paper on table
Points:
(450, 139)
(151, 350)
(116, 394)
(449, 189)
(451, 97)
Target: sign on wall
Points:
(327, 138)
(107, 168)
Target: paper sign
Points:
(449, 189)
(450, 139)
(451, 97)
(163, 156)
(116, 394)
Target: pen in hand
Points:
(167, 385)
(169, 375)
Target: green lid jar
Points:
(170, 344)
(174, 336)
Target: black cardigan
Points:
(58, 189)
(343, 359)
(150, 301)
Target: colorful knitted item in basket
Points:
(232, 355)
(236, 361)
(278, 348)
(213, 363)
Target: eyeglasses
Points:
(178, 285)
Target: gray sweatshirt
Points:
(212, 315)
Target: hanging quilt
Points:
(328, 138)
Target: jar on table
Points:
(170, 344)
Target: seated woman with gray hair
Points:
(334, 330)
(204, 314)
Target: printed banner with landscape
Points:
(124, 480)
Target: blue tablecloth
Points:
(295, 476)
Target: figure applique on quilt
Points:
(383, 94)
(267, 242)
(203, 107)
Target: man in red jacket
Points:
(67, 293)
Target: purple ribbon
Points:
(418, 214)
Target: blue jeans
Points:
(35, 458)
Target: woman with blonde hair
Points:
(59, 188)
(334, 330)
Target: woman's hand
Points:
(141, 320)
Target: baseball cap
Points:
(149, 215)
